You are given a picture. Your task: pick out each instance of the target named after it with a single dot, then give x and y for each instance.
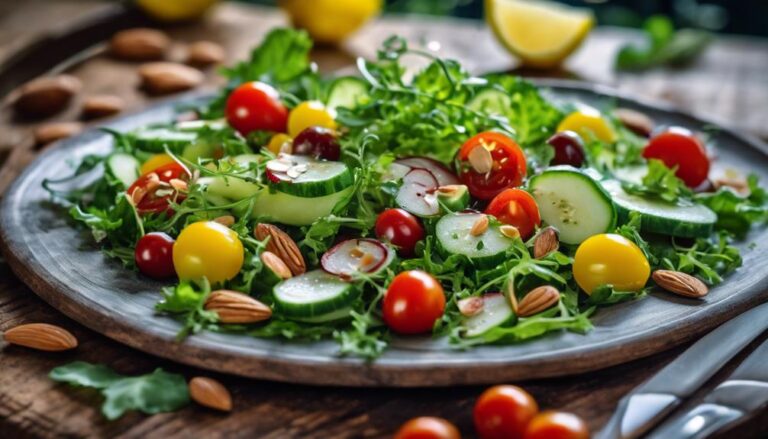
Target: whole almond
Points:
(41, 336)
(53, 131)
(45, 96)
(102, 106)
(480, 226)
(680, 283)
(546, 242)
(167, 77)
(236, 307)
(635, 121)
(537, 300)
(210, 393)
(471, 306)
(480, 159)
(205, 53)
(277, 265)
(283, 246)
(140, 44)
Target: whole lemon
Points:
(330, 21)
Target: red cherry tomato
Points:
(503, 412)
(507, 168)
(556, 425)
(256, 106)
(154, 255)
(518, 208)
(427, 427)
(152, 195)
(679, 147)
(400, 228)
(413, 302)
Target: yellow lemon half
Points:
(540, 33)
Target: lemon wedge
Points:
(540, 33)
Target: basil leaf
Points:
(80, 373)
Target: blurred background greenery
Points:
(731, 16)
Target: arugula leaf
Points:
(608, 295)
(663, 46)
(281, 57)
(736, 213)
(707, 259)
(532, 327)
(187, 300)
(156, 392)
(660, 182)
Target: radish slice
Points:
(417, 194)
(355, 255)
(443, 174)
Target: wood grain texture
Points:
(32, 406)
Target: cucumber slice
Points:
(454, 197)
(156, 139)
(306, 177)
(123, 167)
(313, 294)
(575, 204)
(197, 125)
(687, 220)
(454, 237)
(496, 312)
(333, 316)
(632, 174)
(231, 188)
(297, 211)
(346, 92)
(490, 101)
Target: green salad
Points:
(394, 203)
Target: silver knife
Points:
(743, 393)
(649, 403)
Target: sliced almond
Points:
(449, 189)
(137, 195)
(53, 131)
(45, 96)
(277, 265)
(102, 106)
(470, 306)
(225, 220)
(537, 300)
(480, 226)
(140, 44)
(367, 259)
(179, 185)
(509, 231)
(205, 53)
(283, 246)
(210, 393)
(480, 159)
(680, 283)
(356, 252)
(41, 336)
(236, 307)
(511, 295)
(167, 77)
(546, 242)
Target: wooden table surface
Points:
(728, 83)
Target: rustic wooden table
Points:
(728, 83)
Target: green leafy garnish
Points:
(737, 213)
(152, 393)
(663, 46)
(660, 182)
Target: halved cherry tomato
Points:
(518, 208)
(428, 427)
(556, 425)
(154, 255)
(487, 178)
(399, 228)
(678, 147)
(153, 191)
(256, 106)
(503, 412)
(413, 302)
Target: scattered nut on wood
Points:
(51, 132)
(45, 96)
(205, 53)
(140, 44)
(167, 77)
(102, 106)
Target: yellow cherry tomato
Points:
(308, 114)
(175, 10)
(330, 21)
(280, 142)
(207, 249)
(588, 124)
(610, 259)
(155, 162)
